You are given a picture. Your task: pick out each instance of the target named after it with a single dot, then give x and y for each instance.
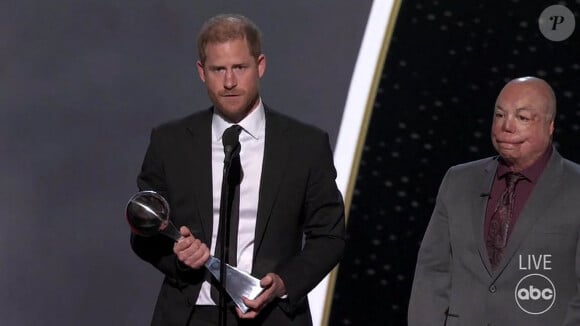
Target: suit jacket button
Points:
(492, 288)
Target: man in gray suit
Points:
(502, 245)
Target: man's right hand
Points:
(189, 250)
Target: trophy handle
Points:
(170, 230)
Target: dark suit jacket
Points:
(454, 283)
(300, 221)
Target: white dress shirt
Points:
(251, 158)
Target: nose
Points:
(230, 80)
(508, 124)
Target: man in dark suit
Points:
(502, 245)
(291, 214)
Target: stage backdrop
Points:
(445, 66)
(81, 85)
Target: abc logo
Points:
(535, 294)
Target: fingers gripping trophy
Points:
(148, 212)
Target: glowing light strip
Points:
(353, 119)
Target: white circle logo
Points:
(535, 294)
(557, 23)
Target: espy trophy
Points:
(148, 214)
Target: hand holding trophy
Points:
(148, 214)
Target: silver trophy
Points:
(148, 214)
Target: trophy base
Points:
(238, 283)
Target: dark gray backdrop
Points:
(81, 84)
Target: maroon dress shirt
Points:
(523, 188)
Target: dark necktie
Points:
(230, 188)
(501, 220)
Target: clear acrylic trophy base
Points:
(238, 283)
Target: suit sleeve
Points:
(573, 313)
(324, 228)
(158, 249)
(429, 300)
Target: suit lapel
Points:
(273, 170)
(198, 161)
(535, 208)
(479, 208)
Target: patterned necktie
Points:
(501, 220)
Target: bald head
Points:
(540, 89)
(523, 121)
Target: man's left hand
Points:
(273, 288)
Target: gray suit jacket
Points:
(300, 221)
(537, 281)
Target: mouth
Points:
(230, 94)
(230, 98)
(508, 144)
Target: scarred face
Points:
(522, 125)
(232, 75)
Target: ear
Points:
(261, 65)
(552, 128)
(200, 71)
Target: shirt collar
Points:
(531, 173)
(253, 124)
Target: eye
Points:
(523, 118)
(498, 115)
